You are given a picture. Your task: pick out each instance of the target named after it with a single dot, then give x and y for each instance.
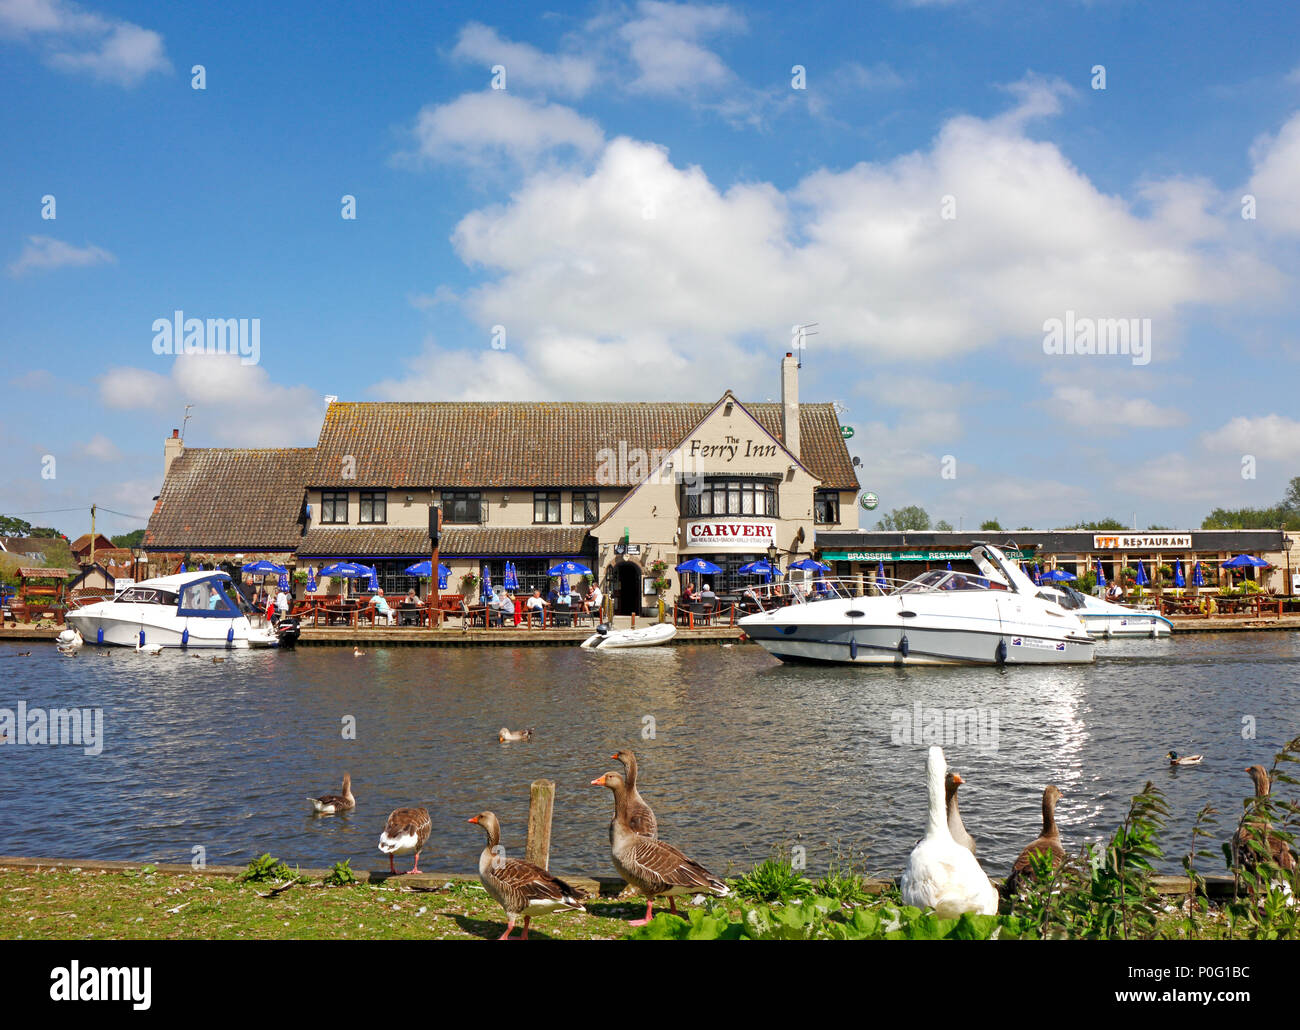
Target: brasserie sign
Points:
(1142, 542)
(1018, 555)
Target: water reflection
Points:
(738, 752)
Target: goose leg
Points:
(527, 920)
(510, 925)
(391, 865)
(416, 867)
(649, 904)
(672, 904)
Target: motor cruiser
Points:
(196, 609)
(1106, 619)
(940, 618)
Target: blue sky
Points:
(646, 209)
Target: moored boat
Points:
(940, 618)
(1107, 619)
(607, 639)
(196, 609)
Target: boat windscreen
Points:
(942, 579)
(147, 595)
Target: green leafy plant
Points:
(774, 879)
(264, 868)
(341, 875)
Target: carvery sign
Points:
(717, 535)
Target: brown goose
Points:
(1049, 841)
(950, 784)
(521, 888)
(650, 865)
(329, 804)
(639, 816)
(1243, 854)
(407, 830)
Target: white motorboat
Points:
(939, 618)
(1107, 619)
(196, 609)
(647, 636)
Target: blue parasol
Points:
(880, 576)
(1141, 578)
(573, 568)
(808, 564)
(263, 568)
(486, 590)
(283, 582)
(1245, 561)
(1101, 576)
(422, 569)
(374, 579)
(1179, 581)
(512, 576)
(1198, 580)
(311, 580)
(762, 567)
(694, 565)
(346, 570)
(1058, 575)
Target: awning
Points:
(877, 556)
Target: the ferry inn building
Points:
(620, 487)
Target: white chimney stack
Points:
(790, 404)
(173, 448)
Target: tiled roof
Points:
(231, 498)
(50, 573)
(82, 542)
(383, 541)
(488, 444)
(30, 544)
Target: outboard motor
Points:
(288, 631)
(603, 629)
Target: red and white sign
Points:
(726, 535)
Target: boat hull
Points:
(884, 645)
(1132, 624)
(619, 639)
(122, 627)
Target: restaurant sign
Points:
(1142, 542)
(720, 535)
(1018, 555)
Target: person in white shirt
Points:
(282, 604)
(536, 605)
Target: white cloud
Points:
(76, 40)
(663, 41)
(526, 66)
(44, 254)
(234, 404)
(879, 76)
(1276, 161)
(1084, 407)
(102, 448)
(1265, 436)
(638, 245)
(482, 128)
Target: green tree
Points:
(943, 526)
(13, 526)
(132, 539)
(1106, 525)
(1291, 502)
(991, 525)
(901, 520)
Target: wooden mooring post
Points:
(541, 806)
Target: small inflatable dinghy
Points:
(607, 639)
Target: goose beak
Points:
(614, 756)
(956, 778)
(472, 819)
(598, 782)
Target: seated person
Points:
(505, 608)
(707, 595)
(595, 598)
(412, 599)
(536, 604)
(380, 604)
(688, 592)
(750, 599)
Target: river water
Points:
(738, 752)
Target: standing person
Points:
(281, 605)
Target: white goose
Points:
(940, 873)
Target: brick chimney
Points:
(173, 448)
(790, 404)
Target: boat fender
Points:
(1001, 654)
(142, 638)
(185, 637)
(99, 635)
(903, 646)
(853, 649)
(230, 637)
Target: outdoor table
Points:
(562, 615)
(409, 614)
